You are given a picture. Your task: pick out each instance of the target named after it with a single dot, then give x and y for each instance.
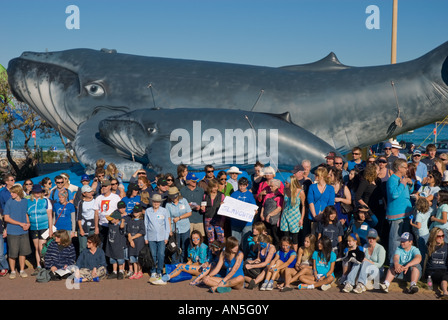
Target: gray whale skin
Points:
(130, 109)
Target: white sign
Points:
(237, 209)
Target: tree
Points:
(15, 115)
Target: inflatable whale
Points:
(316, 108)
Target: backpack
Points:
(145, 258)
(44, 249)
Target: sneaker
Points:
(113, 275)
(120, 275)
(304, 287)
(413, 289)
(384, 287)
(23, 274)
(159, 282)
(325, 287)
(270, 286)
(263, 286)
(12, 275)
(3, 273)
(369, 285)
(138, 275)
(360, 288)
(129, 274)
(347, 288)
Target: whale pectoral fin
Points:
(89, 147)
(159, 155)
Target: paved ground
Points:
(180, 300)
(29, 289)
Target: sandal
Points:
(286, 289)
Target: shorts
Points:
(37, 234)
(117, 261)
(18, 245)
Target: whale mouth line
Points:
(40, 85)
(109, 108)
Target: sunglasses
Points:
(382, 161)
(59, 182)
(338, 163)
(440, 236)
(210, 171)
(169, 180)
(387, 148)
(356, 154)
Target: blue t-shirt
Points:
(16, 210)
(406, 256)
(63, 216)
(130, 203)
(5, 195)
(323, 266)
(284, 257)
(245, 197)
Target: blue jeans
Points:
(362, 272)
(397, 227)
(3, 261)
(182, 240)
(158, 254)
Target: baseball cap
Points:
(85, 177)
(298, 168)
(387, 145)
(330, 155)
(86, 189)
(191, 176)
(406, 236)
(372, 233)
(121, 204)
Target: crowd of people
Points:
(360, 223)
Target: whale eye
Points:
(95, 89)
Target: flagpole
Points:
(394, 32)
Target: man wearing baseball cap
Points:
(194, 195)
(406, 264)
(105, 204)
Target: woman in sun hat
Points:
(180, 211)
(157, 227)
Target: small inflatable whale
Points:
(315, 108)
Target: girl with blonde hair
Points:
(293, 211)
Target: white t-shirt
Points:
(105, 206)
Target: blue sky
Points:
(259, 32)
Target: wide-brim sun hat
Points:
(234, 170)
